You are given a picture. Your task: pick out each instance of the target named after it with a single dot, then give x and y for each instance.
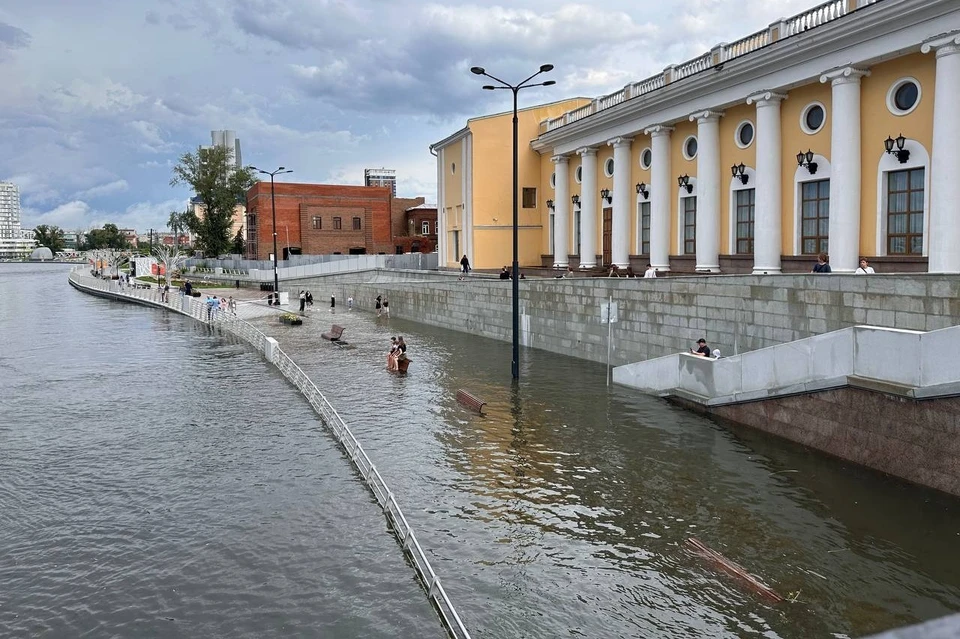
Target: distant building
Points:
(13, 245)
(381, 177)
(422, 221)
(230, 141)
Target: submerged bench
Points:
(470, 401)
(334, 334)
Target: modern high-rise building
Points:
(229, 140)
(381, 177)
(12, 244)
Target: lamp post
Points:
(273, 204)
(515, 88)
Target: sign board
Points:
(608, 313)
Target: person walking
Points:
(386, 308)
(464, 266)
(379, 305)
(303, 301)
(333, 302)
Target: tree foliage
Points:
(220, 186)
(239, 244)
(109, 237)
(177, 223)
(50, 236)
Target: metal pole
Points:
(516, 265)
(609, 334)
(276, 277)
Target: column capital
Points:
(587, 150)
(658, 130)
(846, 75)
(766, 98)
(560, 159)
(943, 45)
(620, 141)
(703, 117)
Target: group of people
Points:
(823, 266)
(616, 271)
(505, 274)
(306, 299)
(702, 350)
(382, 306)
(398, 353)
(219, 305)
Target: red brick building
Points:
(324, 219)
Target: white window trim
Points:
(646, 167)
(919, 159)
(803, 118)
(737, 185)
(425, 227)
(638, 237)
(682, 193)
(736, 134)
(683, 149)
(550, 234)
(453, 168)
(553, 180)
(612, 166)
(801, 176)
(574, 235)
(578, 174)
(892, 92)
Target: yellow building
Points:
(832, 131)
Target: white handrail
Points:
(328, 415)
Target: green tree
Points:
(49, 236)
(220, 186)
(109, 237)
(177, 223)
(239, 244)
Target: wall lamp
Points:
(576, 200)
(550, 205)
(684, 182)
(806, 160)
(642, 190)
(605, 194)
(740, 172)
(903, 155)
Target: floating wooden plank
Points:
(731, 568)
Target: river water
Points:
(158, 479)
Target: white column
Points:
(844, 228)
(944, 249)
(708, 190)
(561, 212)
(767, 225)
(622, 192)
(588, 207)
(661, 196)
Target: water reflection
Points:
(563, 510)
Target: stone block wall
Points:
(735, 313)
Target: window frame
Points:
(531, 202)
(823, 204)
(689, 246)
(337, 224)
(357, 223)
(907, 235)
(744, 225)
(316, 222)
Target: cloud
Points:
(151, 137)
(78, 214)
(99, 95)
(11, 38)
(110, 188)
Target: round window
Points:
(453, 167)
(690, 148)
(553, 180)
(745, 134)
(578, 175)
(608, 167)
(904, 96)
(813, 118)
(646, 159)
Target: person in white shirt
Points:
(650, 272)
(865, 269)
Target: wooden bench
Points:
(334, 334)
(471, 401)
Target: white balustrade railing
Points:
(238, 326)
(800, 23)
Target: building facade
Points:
(319, 219)
(13, 244)
(381, 177)
(831, 131)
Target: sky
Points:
(99, 98)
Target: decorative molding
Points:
(846, 75)
(586, 150)
(658, 130)
(943, 45)
(560, 159)
(704, 117)
(766, 98)
(620, 141)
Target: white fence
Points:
(236, 324)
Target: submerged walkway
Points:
(237, 324)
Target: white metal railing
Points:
(239, 327)
(813, 18)
(819, 15)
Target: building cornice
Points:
(447, 141)
(872, 24)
